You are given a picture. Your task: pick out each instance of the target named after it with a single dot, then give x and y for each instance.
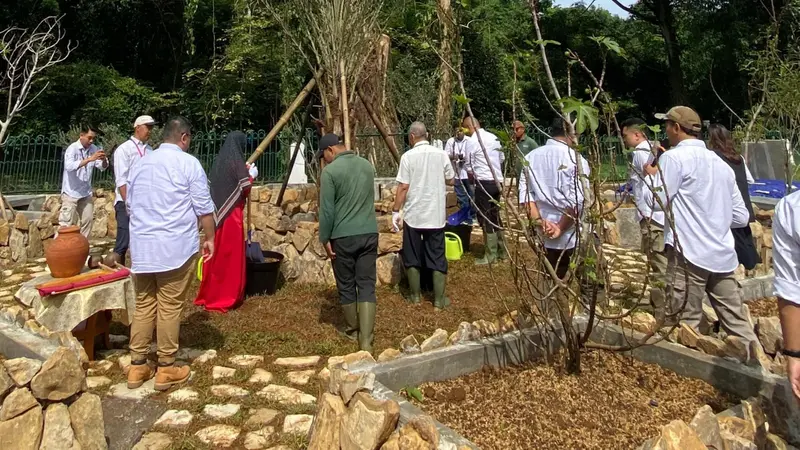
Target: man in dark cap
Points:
(349, 231)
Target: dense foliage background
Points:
(225, 63)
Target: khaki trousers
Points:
(159, 303)
(653, 247)
(78, 211)
(723, 291)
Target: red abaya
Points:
(223, 282)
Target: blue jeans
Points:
(465, 191)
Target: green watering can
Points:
(452, 246)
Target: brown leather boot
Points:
(138, 374)
(169, 376)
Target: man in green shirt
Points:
(524, 146)
(349, 231)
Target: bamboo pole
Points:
(282, 121)
(379, 125)
(345, 108)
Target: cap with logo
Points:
(143, 120)
(329, 140)
(684, 116)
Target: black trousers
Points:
(123, 232)
(355, 267)
(423, 248)
(487, 198)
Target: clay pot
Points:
(67, 254)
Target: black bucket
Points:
(262, 278)
(464, 232)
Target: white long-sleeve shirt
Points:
(454, 149)
(555, 186)
(641, 182)
(77, 181)
(125, 156)
(786, 248)
(477, 161)
(701, 190)
(167, 192)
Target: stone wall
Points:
(44, 405)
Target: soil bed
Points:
(617, 402)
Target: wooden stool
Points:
(96, 325)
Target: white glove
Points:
(396, 221)
(253, 171)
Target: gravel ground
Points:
(764, 307)
(616, 403)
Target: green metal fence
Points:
(34, 164)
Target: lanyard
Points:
(138, 150)
(458, 147)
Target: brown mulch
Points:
(302, 320)
(764, 307)
(617, 402)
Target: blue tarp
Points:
(771, 188)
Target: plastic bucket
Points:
(262, 278)
(464, 232)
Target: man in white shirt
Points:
(456, 149)
(487, 174)
(125, 157)
(635, 135)
(786, 262)
(80, 160)
(700, 190)
(423, 175)
(167, 194)
(553, 192)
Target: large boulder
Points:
(23, 432)
(6, 383)
(86, 415)
(676, 436)
(325, 431)
(770, 334)
(389, 269)
(61, 376)
(19, 253)
(58, 432)
(389, 243)
(17, 403)
(368, 423)
(5, 232)
(22, 370)
(706, 426)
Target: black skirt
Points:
(745, 247)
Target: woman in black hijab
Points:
(231, 177)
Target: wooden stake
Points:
(345, 108)
(3, 204)
(282, 121)
(379, 125)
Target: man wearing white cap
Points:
(125, 157)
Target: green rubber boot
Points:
(502, 254)
(440, 301)
(350, 330)
(366, 325)
(414, 285)
(490, 252)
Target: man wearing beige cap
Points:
(125, 157)
(700, 190)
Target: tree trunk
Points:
(444, 102)
(666, 19)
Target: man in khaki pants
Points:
(80, 160)
(700, 189)
(167, 193)
(634, 132)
